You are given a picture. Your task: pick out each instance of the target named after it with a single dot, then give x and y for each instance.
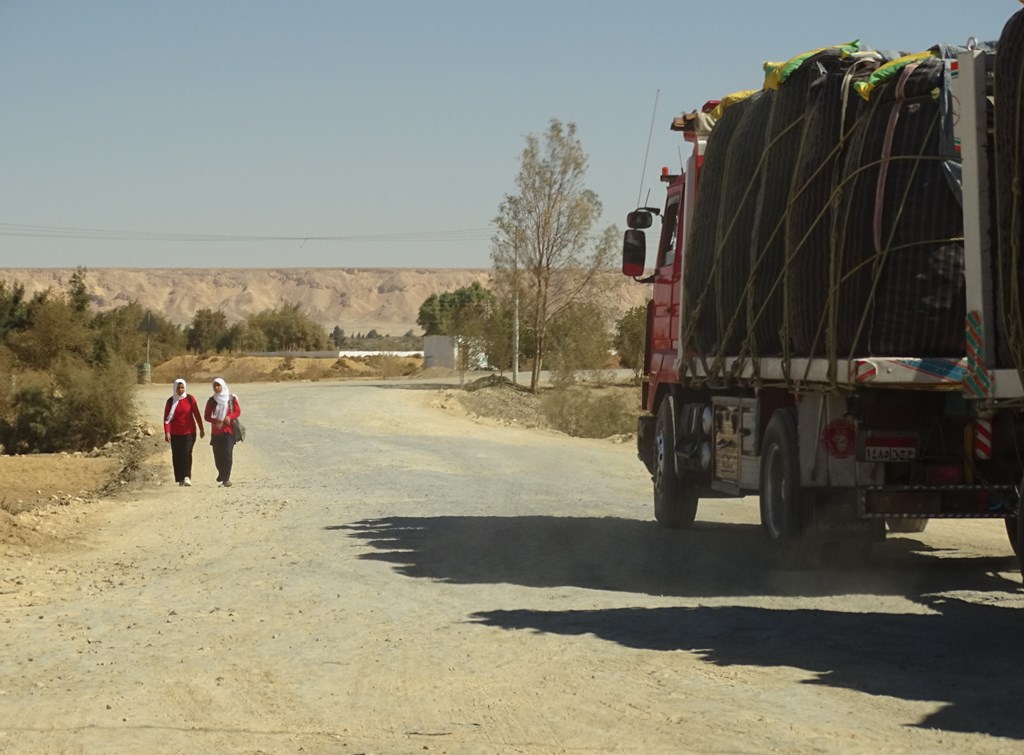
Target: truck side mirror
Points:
(641, 218)
(634, 253)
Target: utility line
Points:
(105, 234)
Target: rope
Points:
(837, 276)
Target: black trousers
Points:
(223, 454)
(181, 455)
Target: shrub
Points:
(589, 413)
(78, 409)
(388, 366)
(55, 331)
(577, 342)
(98, 403)
(34, 412)
(630, 338)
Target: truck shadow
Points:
(960, 653)
(625, 555)
(965, 656)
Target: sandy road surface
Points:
(389, 577)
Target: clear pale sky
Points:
(396, 124)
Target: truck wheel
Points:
(781, 505)
(1015, 531)
(1011, 533)
(675, 502)
(1020, 543)
(916, 524)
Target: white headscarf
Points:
(223, 399)
(175, 398)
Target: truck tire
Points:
(1011, 533)
(675, 502)
(1015, 531)
(1020, 542)
(780, 499)
(915, 524)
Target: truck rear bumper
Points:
(938, 502)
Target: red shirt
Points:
(234, 411)
(186, 415)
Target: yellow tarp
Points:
(731, 99)
(886, 72)
(775, 74)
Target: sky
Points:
(311, 133)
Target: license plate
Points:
(890, 449)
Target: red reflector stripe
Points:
(983, 439)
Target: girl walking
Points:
(221, 408)
(181, 415)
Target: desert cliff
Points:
(356, 299)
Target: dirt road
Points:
(389, 577)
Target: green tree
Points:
(544, 240)
(78, 292)
(288, 328)
(577, 340)
(338, 337)
(55, 331)
(117, 333)
(444, 314)
(205, 331)
(242, 337)
(630, 340)
(13, 308)
(496, 337)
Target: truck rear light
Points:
(945, 474)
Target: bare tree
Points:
(544, 250)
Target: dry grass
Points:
(252, 369)
(592, 411)
(583, 410)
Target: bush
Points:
(389, 366)
(590, 413)
(631, 339)
(99, 403)
(33, 414)
(577, 342)
(80, 408)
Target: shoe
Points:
(226, 483)
(187, 482)
(220, 479)
(181, 484)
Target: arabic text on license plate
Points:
(890, 453)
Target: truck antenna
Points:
(647, 151)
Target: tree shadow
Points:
(627, 555)
(966, 655)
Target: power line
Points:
(106, 234)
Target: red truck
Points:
(836, 318)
